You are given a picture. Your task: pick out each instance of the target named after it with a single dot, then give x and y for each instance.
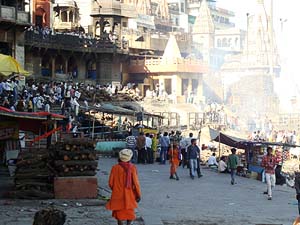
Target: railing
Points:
(69, 41)
(9, 13)
(65, 25)
(161, 61)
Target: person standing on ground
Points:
(131, 144)
(297, 187)
(164, 142)
(193, 153)
(126, 192)
(141, 147)
(174, 160)
(269, 163)
(185, 143)
(232, 164)
(154, 146)
(149, 149)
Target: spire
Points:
(172, 52)
(204, 23)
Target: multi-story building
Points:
(14, 18)
(74, 53)
(249, 75)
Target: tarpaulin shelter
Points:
(241, 143)
(9, 65)
(247, 145)
(28, 121)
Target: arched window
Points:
(71, 15)
(219, 43)
(64, 16)
(224, 42)
(236, 42)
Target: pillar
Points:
(66, 66)
(189, 88)
(53, 67)
(68, 16)
(200, 89)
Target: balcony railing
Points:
(69, 41)
(8, 13)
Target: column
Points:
(200, 89)
(66, 67)
(53, 67)
(68, 16)
(189, 88)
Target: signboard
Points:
(9, 130)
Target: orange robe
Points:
(174, 159)
(123, 200)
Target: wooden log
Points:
(30, 175)
(24, 184)
(76, 162)
(28, 162)
(33, 194)
(75, 153)
(78, 173)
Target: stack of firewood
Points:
(99, 96)
(75, 157)
(34, 175)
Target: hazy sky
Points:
(287, 37)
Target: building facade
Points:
(14, 18)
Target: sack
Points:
(180, 157)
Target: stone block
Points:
(75, 187)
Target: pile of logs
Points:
(34, 175)
(99, 96)
(75, 157)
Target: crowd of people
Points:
(180, 151)
(79, 37)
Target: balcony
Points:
(65, 25)
(114, 8)
(8, 14)
(71, 42)
(160, 66)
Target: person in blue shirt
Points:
(193, 154)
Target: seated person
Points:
(212, 161)
(223, 165)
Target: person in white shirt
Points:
(212, 161)
(222, 168)
(149, 148)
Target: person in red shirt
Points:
(126, 191)
(269, 162)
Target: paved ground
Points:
(210, 200)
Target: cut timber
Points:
(78, 173)
(76, 162)
(33, 194)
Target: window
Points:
(182, 7)
(64, 16)
(219, 43)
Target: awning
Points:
(9, 65)
(241, 143)
(28, 121)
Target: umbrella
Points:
(9, 65)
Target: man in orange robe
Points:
(126, 192)
(174, 155)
